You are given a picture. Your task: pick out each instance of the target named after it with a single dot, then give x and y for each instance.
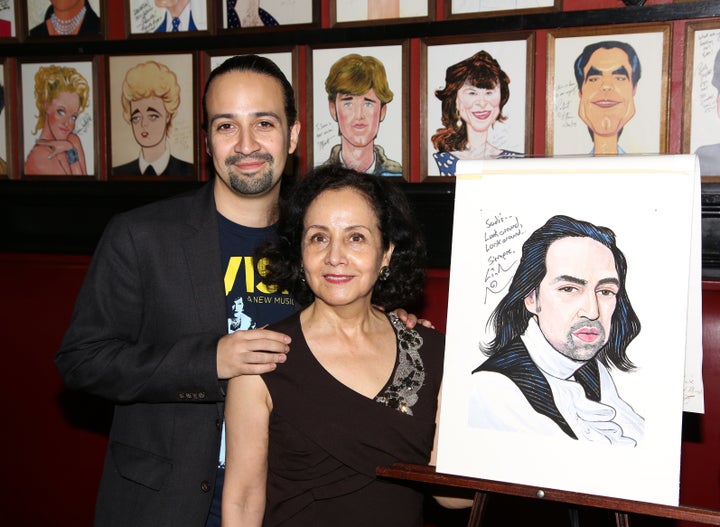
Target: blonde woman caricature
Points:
(61, 94)
(150, 99)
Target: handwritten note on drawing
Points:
(706, 47)
(145, 17)
(502, 237)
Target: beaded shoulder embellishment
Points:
(402, 393)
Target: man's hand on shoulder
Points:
(411, 320)
(250, 352)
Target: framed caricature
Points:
(8, 22)
(477, 99)
(359, 120)
(267, 14)
(158, 18)
(152, 106)
(607, 90)
(49, 19)
(58, 117)
(701, 98)
(364, 12)
(476, 8)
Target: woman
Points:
(358, 389)
(150, 99)
(476, 90)
(61, 94)
(68, 17)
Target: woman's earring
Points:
(302, 273)
(384, 273)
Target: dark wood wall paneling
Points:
(68, 217)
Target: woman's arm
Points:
(247, 417)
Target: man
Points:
(709, 155)
(564, 322)
(607, 74)
(182, 15)
(150, 327)
(358, 94)
(149, 330)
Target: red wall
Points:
(54, 441)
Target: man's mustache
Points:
(237, 158)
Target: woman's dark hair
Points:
(482, 71)
(283, 266)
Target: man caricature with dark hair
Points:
(565, 321)
(607, 74)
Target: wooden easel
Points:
(427, 474)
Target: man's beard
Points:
(247, 185)
(585, 351)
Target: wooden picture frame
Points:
(453, 59)
(367, 12)
(9, 24)
(388, 136)
(59, 137)
(143, 129)
(701, 97)
(272, 15)
(40, 24)
(492, 8)
(637, 111)
(6, 164)
(144, 18)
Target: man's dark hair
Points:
(584, 58)
(396, 222)
(510, 317)
(254, 64)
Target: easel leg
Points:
(478, 509)
(622, 519)
(574, 517)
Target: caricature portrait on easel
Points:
(564, 323)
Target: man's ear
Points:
(383, 111)
(531, 302)
(333, 110)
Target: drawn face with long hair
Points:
(61, 114)
(576, 298)
(149, 120)
(478, 107)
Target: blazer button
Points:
(218, 424)
(205, 486)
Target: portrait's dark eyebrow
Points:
(569, 278)
(613, 281)
(621, 71)
(592, 71)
